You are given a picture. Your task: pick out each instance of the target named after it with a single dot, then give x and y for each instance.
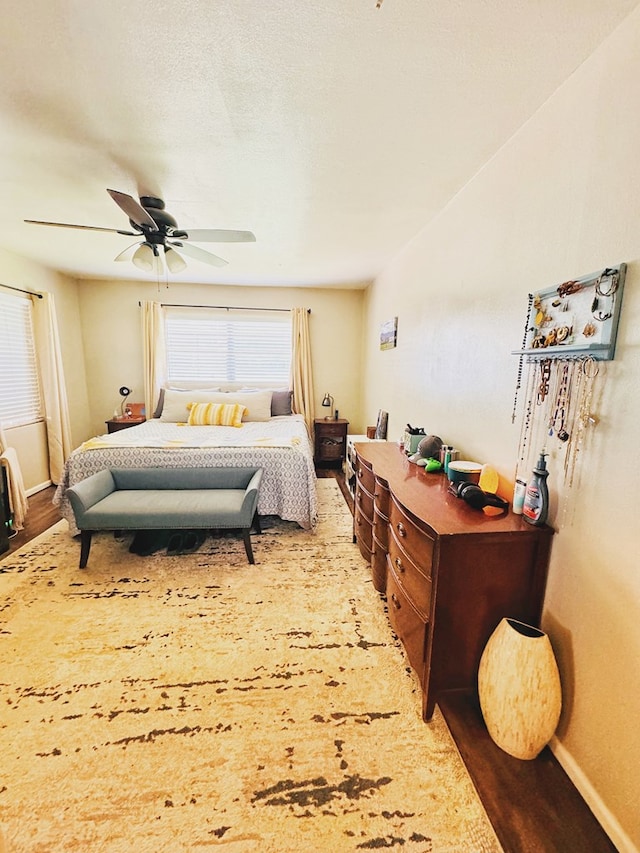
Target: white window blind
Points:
(20, 401)
(220, 345)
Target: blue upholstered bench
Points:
(166, 499)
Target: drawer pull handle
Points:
(396, 603)
(401, 529)
(399, 565)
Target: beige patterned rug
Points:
(189, 703)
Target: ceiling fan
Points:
(159, 231)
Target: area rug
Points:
(195, 702)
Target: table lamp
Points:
(327, 401)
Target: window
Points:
(20, 401)
(223, 345)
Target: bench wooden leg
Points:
(85, 546)
(246, 534)
(256, 522)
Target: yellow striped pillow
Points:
(215, 414)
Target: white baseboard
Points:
(34, 489)
(591, 797)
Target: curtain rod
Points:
(20, 290)
(224, 307)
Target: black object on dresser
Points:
(450, 572)
(330, 441)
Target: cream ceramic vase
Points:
(519, 688)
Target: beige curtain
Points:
(301, 375)
(53, 385)
(17, 494)
(154, 354)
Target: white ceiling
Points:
(332, 129)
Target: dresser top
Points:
(426, 496)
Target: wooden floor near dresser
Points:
(533, 805)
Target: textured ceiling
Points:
(333, 130)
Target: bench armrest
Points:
(88, 492)
(250, 501)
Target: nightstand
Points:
(116, 424)
(330, 444)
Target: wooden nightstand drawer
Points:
(116, 424)
(329, 428)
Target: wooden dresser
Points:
(450, 572)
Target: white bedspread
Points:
(281, 446)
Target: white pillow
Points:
(174, 406)
(256, 403)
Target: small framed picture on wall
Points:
(389, 334)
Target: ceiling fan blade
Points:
(133, 209)
(82, 227)
(218, 235)
(127, 254)
(200, 254)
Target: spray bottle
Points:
(536, 499)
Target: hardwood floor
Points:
(42, 514)
(533, 805)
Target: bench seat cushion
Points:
(166, 508)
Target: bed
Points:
(279, 444)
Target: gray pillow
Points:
(158, 410)
(281, 403)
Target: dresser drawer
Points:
(408, 624)
(381, 528)
(415, 582)
(364, 534)
(364, 500)
(366, 476)
(382, 496)
(379, 564)
(415, 542)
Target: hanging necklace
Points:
(527, 415)
(589, 370)
(558, 421)
(521, 360)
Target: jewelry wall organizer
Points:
(578, 317)
(570, 331)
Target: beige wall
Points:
(100, 335)
(30, 442)
(110, 317)
(560, 200)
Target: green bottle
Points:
(536, 499)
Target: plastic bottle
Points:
(519, 492)
(536, 499)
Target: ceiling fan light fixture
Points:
(144, 258)
(175, 262)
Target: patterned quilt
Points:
(281, 446)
